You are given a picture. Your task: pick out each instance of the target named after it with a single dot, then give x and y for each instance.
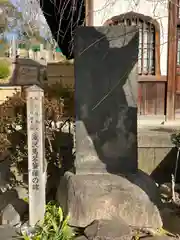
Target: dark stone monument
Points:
(107, 184)
(106, 99)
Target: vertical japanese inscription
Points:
(34, 128)
(36, 154)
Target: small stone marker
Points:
(14, 212)
(10, 216)
(36, 153)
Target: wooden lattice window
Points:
(178, 45)
(178, 34)
(149, 57)
(178, 10)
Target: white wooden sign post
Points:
(31, 73)
(36, 154)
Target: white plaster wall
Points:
(105, 9)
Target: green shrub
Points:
(54, 226)
(175, 139)
(59, 105)
(4, 69)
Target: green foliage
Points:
(26, 200)
(4, 47)
(160, 232)
(9, 16)
(54, 226)
(5, 2)
(175, 139)
(4, 69)
(59, 105)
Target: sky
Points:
(23, 5)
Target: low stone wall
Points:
(61, 72)
(6, 92)
(56, 72)
(156, 154)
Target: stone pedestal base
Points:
(88, 197)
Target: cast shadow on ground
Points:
(162, 173)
